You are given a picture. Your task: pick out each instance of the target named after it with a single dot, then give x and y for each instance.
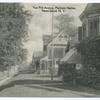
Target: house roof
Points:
(90, 9)
(58, 40)
(72, 57)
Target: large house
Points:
(90, 35)
(55, 51)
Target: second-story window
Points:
(94, 27)
(84, 30)
(91, 28)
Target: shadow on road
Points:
(45, 88)
(38, 84)
(55, 85)
(29, 81)
(75, 88)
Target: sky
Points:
(40, 23)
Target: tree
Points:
(13, 32)
(65, 25)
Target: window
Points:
(58, 52)
(84, 30)
(94, 27)
(79, 33)
(91, 28)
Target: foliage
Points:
(66, 25)
(90, 58)
(89, 76)
(91, 51)
(69, 73)
(13, 32)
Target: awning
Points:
(72, 57)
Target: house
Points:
(89, 44)
(46, 40)
(87, 48)
(55, 51)
(57, 46)
(90, 35)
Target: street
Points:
(32, 85)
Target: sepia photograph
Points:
(50, 50)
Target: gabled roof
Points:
(90, 9)
(56, 40)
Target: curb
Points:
(5, 81)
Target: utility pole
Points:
(52, 51)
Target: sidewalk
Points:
(4, 80)
(5, 83)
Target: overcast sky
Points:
(41, 24)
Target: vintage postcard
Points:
(50, 50)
